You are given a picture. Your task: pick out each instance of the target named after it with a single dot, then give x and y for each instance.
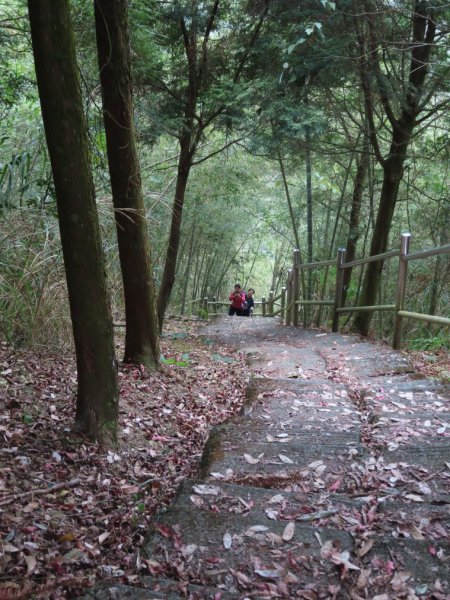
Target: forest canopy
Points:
(259, 127)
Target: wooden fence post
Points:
(263, 306)
(283, 302)
(339, 288)
(289, 297)
(214, 301)
(271, 303)
(296, 287)
(401, 289)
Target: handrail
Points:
(424, 317)
(313, 265)
(426, 253)
(369, 259)
(315, 302)
(290, 294)
(375, 307)
(293, 287)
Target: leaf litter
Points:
(376, 481)
(72, 513)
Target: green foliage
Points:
(33, 301)
(301, 77)
(174, 361)
(203, 313)
(431, 343)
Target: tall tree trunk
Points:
(188, 269)
(442, 264)
(392, 175)
(168, 278)
(293, 221)
(309, 224)
(66, 134)
(355, 213)
(423, 32)
(142, 332)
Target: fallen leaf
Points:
(206, 490)
(252, 461)
(365, 547)
(414, 497)
(288, 532)
(103, 537)
(227, 541)
(255, 529)
(268, 573)
(276, 499)
(285, 459)
(31, 564)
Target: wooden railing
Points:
(272, 306)
(293, 287)
(286, 305)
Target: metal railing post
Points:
(339, 288)
(296, 287)
(263, 306)
(401, 289)
(283, 302)
(289, 298)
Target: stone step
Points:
(229, 549)
(309, 466)
(233, 551)
(407, 398)
(432, 458)
(423, 430)
(154, 588)
(421, 515)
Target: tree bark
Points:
(392, 175)
(193, 128)
(355, 212)
(168, 278)
(309, 224)
(142, 332)
(187, 271)
(66, 134)
(421, 43)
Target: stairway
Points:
(333, 483)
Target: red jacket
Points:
(237, 301)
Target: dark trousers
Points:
(236, 311)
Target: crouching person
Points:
(238, 302)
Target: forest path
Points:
(333, 483)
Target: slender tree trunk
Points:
(392, 175)
(168, 278)
(200, 273)
(332, 249)
(441, 266)
(309, 224)
(355, 212)
(255, 255)
(293, 221)
(188, 269)
(196, 278)
(142, 332)
(66, 134)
